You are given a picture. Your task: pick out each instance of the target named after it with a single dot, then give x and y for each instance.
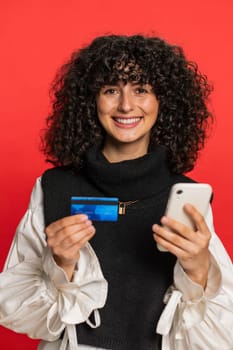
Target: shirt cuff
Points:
(86, 293)
(192, 291)
(56, 274)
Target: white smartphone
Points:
(197, 194)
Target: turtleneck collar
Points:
(128, 180)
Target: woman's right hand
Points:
(66, 237)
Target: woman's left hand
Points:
(189, 246)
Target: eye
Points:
(141, 90)
(109, 91)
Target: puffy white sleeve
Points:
(195, 318)
(35, 296)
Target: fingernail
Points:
(83, 217)
(155, 227)
(164, 220)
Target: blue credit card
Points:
(96, 208)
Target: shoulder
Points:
(57, 175)
(56, 171)
(182, 178)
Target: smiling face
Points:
(127, 112)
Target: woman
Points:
(129, 118)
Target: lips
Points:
(129, 121)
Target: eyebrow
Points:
(128, 82)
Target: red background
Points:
(38, 36)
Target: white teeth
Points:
(127, 120)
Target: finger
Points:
(81, 243)
(176, 227)
(78, 237)
(169, 238)
(197, 218)
(193, 239)
(60, 224)
(71, 255)
(71, 245)
(176, 244)
(68, 233)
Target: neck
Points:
(119, 152)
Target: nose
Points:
(125, 102)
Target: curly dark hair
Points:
(182, 91)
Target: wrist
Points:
(198, 277)
(199, 274)
(67, 266)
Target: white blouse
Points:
(36, 297)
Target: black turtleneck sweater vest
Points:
(138, 274)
